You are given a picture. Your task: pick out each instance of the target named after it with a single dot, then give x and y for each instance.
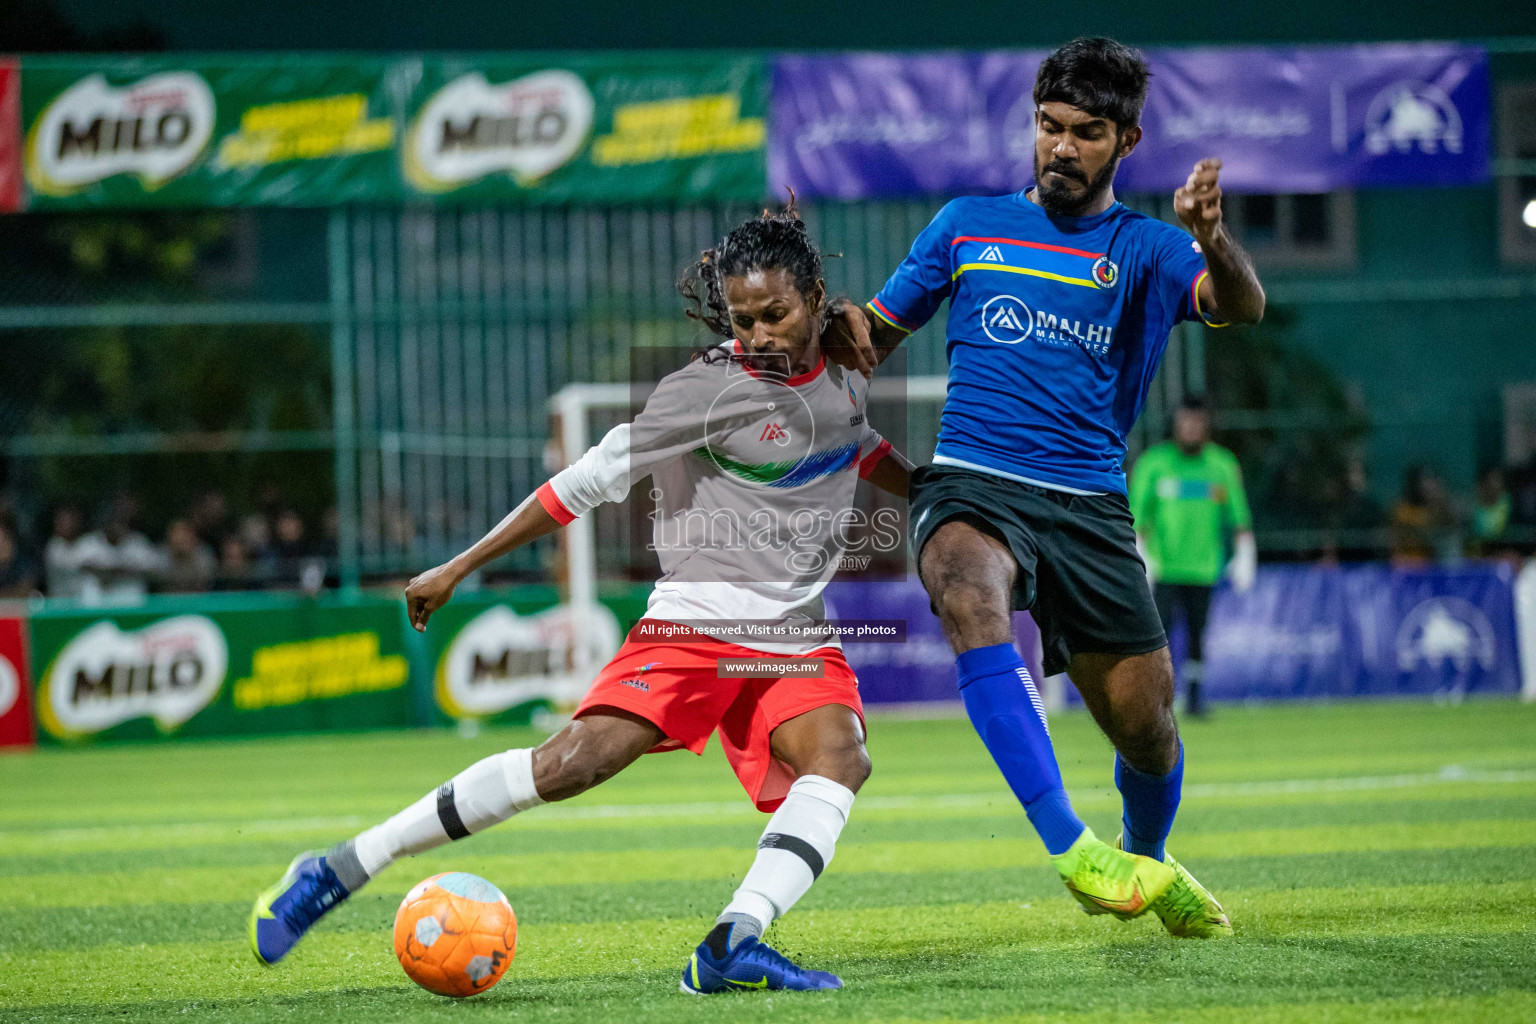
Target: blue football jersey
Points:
(1056, 328)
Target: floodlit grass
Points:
(1378, 862)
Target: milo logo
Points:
(471, 128)
(155, 128)
(500, 659)
(167, 671)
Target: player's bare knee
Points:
(845, 763)
(1148, 738)
(973, 613)
(853, 766)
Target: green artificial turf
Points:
(1377, 859)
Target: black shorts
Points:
(1080, 575)
(1194, 601)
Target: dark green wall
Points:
(1429, 372)
(807, 24)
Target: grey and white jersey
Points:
(753, 478)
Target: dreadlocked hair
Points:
(775, 241)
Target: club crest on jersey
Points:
(775, 433)
(1006, 320)
(1105, 273)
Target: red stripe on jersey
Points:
(1028, 245)
(899, 320)
(553, 505)
(869, 462)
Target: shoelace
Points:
(1184, 899)
(312, 898)
(767, 955)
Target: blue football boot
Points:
(286, 911)
(751, 965)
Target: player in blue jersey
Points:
(1060, 304)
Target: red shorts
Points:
(675, 685)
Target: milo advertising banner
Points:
(250, 664)
(501, 657)
(163, 131)
(630, 128)
(294, 130)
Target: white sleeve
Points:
(686, 410)
(602, 474)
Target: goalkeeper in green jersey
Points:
(1191, 512)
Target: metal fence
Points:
(448, 331)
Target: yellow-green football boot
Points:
(1187, 909)
(1108, 881)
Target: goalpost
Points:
(581, 413)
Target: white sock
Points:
(796, 847)
(487, 792)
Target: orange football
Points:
(455, 934)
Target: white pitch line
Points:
(741, 809)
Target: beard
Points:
(1071, 198)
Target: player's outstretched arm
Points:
(1231, 288)
(431, 590)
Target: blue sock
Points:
(1008, 715)
(1151, 801)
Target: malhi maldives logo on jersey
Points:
(1007, 320)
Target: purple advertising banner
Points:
(923, 668)
(1362, 631)
(1303, 119)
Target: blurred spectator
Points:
(1423, 523)
(1520, 481)
(117, 560)
(289, 540)
(269, 500)
(210, 518)
(1355, 519)
(18, 578)
(1492, 509)
(63, 556)
(399, 528)
(235, 569)
(188, 563)
(290, 544)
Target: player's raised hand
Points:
(427, 593)
(845, 339)
(1198, 203)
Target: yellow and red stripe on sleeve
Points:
(1194, 297)
(875, 307)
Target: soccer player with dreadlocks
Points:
(753, 450)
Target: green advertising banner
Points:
(303, 131)
(221, 666)
(161, 131)
(618, 129)
(241, 664)
(500, 656)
